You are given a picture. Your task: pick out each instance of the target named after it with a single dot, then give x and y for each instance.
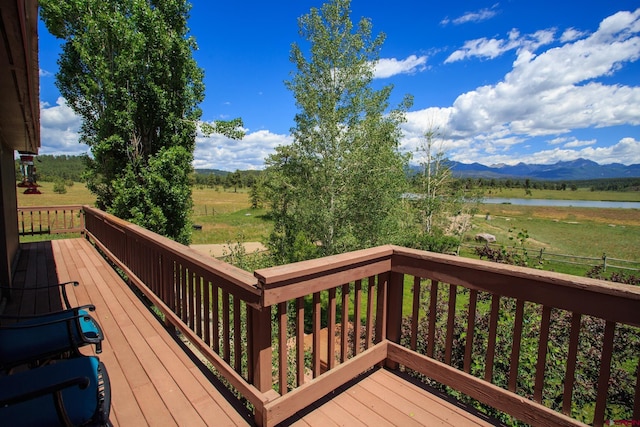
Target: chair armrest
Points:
(37, 390)
(62, 286)
(88, 307)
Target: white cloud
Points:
(478, 16)
(551, 93)
(575, 143)
(571, 34)
(59, 129)
(220, 152)
(387, 67)
(492, 48)
(626, 151)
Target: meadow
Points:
(227, 216)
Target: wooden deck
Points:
(156, 381)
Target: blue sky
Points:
(503, 82)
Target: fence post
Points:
(604, 262)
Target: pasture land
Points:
(579, 194)
(225, 215)
(587, 232)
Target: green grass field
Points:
(579, 194)
(589, 232)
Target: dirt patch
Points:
(220, 250)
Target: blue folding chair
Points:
(36, 339)
(70, 392)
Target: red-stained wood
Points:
(317, 311)
(543, 344)
(395, 291)
(471, 322)
(523, 409)
(237, 335)
(226, 327)
(371, 283)
(331, 330)
(199, 309)
(431, 332)
(344, 330)
(207, 313)
(515, 347)
(491, 344)
(280, 409)
(636, 401)
(382, 306)
(282, 348)
(415, 309)
(572, 357)
(610, 301)
(300, 341)
(451, 318)
(605, 370)
(215, 309)
(357, 316)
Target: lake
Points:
(574, 203)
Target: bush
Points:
(59, 187)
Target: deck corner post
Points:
(394, 311)
(260, 324)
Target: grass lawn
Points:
(579, 194)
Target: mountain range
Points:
(575, 170)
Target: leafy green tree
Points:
(337, 187)
(443, 207)
(127, 69)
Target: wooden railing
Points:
(213, 304)
(50, 220)
(492, 332)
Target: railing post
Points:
(260, 324)
(395, 290)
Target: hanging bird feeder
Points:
(28, 171)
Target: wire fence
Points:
(542, 255)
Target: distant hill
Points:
(212, 172)
(575, 170)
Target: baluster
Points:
(605, 370)
(199, 309)
(331, 330)
(300, 341)
(316, 334)
(515, 347)
(636, 400)
(471, 327)
(183, 293)
(215, 308)
(569, 377)
(491, 346)
(451, 318)
(207, 312)
(414, 313)
(282, 347)
(369, 334)
(431, 333)
(357, 314)
(344, 336)
(237, 334)
(226, 326)
(542, 354)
